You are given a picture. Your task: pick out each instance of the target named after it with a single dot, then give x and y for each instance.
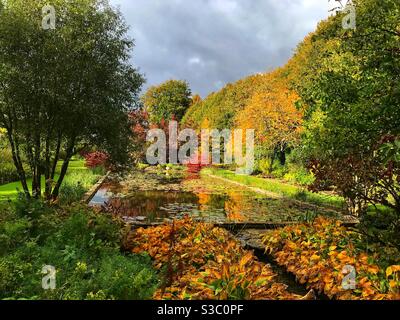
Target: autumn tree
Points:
(351, 81)
(220, 108)
(64, 89)
(139, 120)
(196, 99)
(170, 99)
(273, 114)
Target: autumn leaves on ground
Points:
(329, 121)
(199, 261)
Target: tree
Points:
(220, 108)
(139, 125)
(195, 100)
(168, 100)
(273, 114)
(64, 89)
(351, 79)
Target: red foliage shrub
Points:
(96, 159)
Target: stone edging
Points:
(93, 190)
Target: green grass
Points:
(83, 246)
(284, 189)
(76, 172)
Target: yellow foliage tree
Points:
(272, 113)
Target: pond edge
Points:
(93, 190)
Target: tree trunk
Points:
(37, 174)
(282, 157)
(271, 165)
(64, 168)
(56, 158)
(18, 163)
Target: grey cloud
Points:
(212, 42)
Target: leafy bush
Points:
(71, 193)
(317, 254)
(263, 166)
(279, 170)
(382, 226)
(30, 208)
(83, 246)
(96, 159)
(124, 277)
(77, 183)
(205, 263)
(8, 172)
(299, 175)
(12, 233)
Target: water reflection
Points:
(160, 205)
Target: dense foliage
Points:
(333, 108)
(199, 261)
(318, 254)
(168, 101)
(84, 247)
(65, 88)
(349, 89)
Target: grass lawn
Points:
(76, 171)
(284, 189)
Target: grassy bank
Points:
(78, 180)
(281, 188)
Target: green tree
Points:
(351, 80)
(64, 89)
(169, 100)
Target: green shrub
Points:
(13, 233)
(263, 166)
(87, 229)
(299, 175)
(382, 226)
(70, 193)
(279, 170)
(31, 208)
(99, 171)
(83, 246)
(124, 277)
(13, 271)
(77, 183)
(8, 172)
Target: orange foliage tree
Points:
(273, 114)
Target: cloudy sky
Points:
(212, 42)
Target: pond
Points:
(157, 197)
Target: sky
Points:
(210, 43)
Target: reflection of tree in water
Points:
(202, 201)
(152, 204)
(208, 200)
(231, 203)
(234, 207)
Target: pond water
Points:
(150, 197)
